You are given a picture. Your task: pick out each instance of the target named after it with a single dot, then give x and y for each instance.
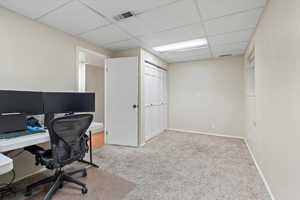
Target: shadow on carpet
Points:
(101, 186)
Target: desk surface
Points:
(6, 163)
(37, 138)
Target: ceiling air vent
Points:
(225, 55)
(124, 15)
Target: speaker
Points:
(12, 123)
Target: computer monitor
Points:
(29, 103)
(61, 102)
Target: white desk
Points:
(6, 164)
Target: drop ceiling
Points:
(227, 24)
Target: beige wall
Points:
(95, 83)
(127, 53)
(276, 145)
(36, 57)
(207, 96)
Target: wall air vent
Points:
(225, 55)
(124, 15)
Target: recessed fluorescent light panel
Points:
(182, 45)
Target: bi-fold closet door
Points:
(156, 101)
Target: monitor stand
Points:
(48, 118)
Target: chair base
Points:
(58, 180)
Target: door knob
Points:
(134, 106)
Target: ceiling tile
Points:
(123, 45)
(134, 26)
(174, 35)
(112, 8)
(74, 18)
(239, 52)
(228, 38)
(105, 35)
(171, 16)
(237, 22)
(230, 47)
(216, 8)
(32, 8)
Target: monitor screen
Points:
(61, 102)
(30, 103)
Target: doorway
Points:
(91, 78)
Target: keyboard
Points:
(19, 134)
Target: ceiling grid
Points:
(227, 24)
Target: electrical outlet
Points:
(212, 126)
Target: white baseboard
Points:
(205, 133)
(142, 144)
(259, 170)
(237, 137)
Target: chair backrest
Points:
(68, 137)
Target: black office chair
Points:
(68, 141)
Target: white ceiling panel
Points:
(32, 8)
(74, 18)
(217, 8)
(228, 38)
(232, 52)
(174, 35)
(229, 24)
(237, 22)
(105, 35)
(175, 15)
(230, 47)
(134, 26)
(112, 8)
(123, 45)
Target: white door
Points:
(148, 113)
(155, 101)
(122, 101)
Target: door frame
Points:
(78, 75)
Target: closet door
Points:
(155, 103)
(147, 107)
(160, 103)
(155, 98)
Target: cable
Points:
(6, 189)
(11, 181)
(17, 154)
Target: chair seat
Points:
(43, 156)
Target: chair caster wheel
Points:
(84, 190)
(84, 173)
(61, 185)
(28, 193)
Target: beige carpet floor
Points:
(173, 166)
(184, 166)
